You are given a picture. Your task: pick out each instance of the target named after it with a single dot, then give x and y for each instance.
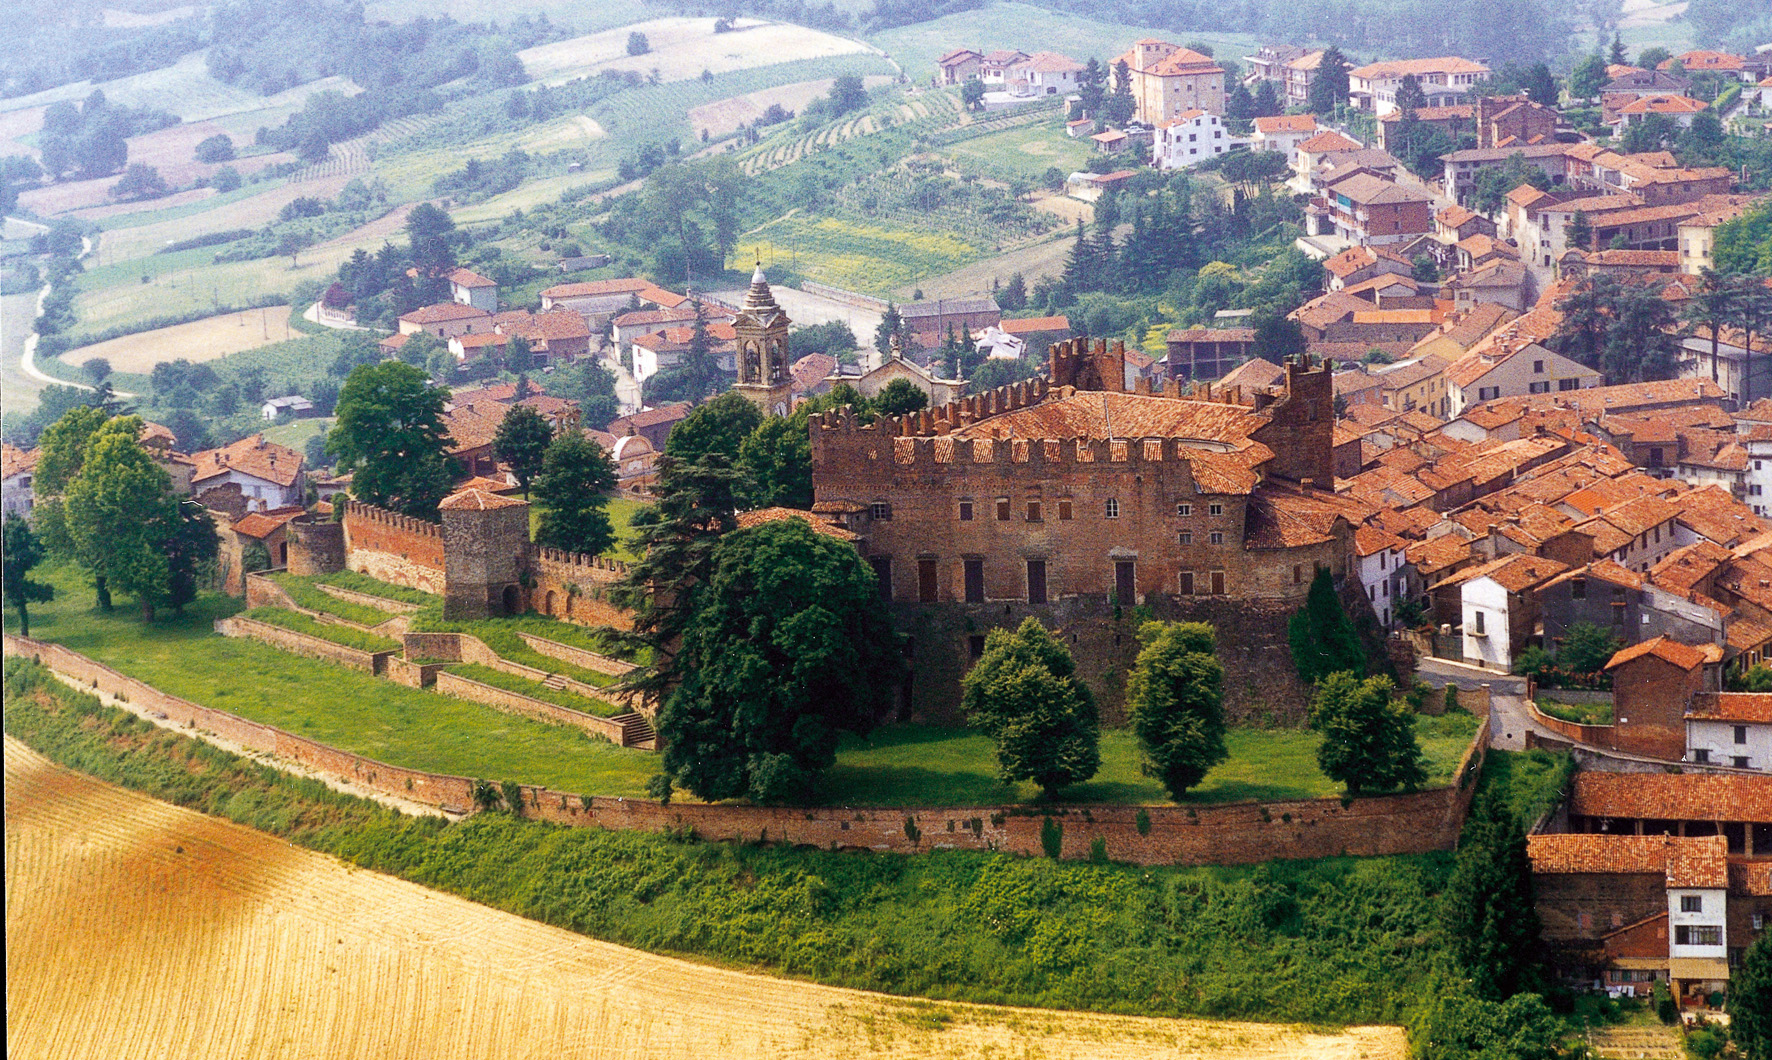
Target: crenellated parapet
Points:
(586, 563)
(369, 513)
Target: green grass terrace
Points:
(898, 765)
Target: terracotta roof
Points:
(1752, 707)
(478, 500)
(1448, 113)
(645, 289)
(469, 278)
(1663, 105)
(472, 426)
(1255, 374)
(1438, 553)
(1350, 261)
(1695, 861)
(252, 456)
(1365, 188)
(1714, 514)
(1329, 140)
(444, 312)
(1673, 796)
(957, 55)
(1637, 258)
(1681, 656)
(1289, 517)
(635, 318)
(1286, 123)
(650, 418)
(1703, 60)
(1445, 64)
(1029, 325)
(1515, 573)
(260, 524)
(16, 461)
(746, 520)
(1182, 62)
(1369, 539)
(1102, 415)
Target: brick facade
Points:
(394, 548)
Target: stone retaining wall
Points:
(380, 603)
(452, 684)
(1239, 833)
(374, 662)
(584, 660)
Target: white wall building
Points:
(1284, 132)
(1488, 376)
(1192, 137)
(1730, 733)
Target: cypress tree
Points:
(1491, 919)
(1322, 637)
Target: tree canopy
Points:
(121, 513)
(720, 426)
(1750, 1001)
(390, 434)
(1175, 694)
(1025, 694)
(572, 489)
(22, 551)
(788, 647)
(1368, 737)
(522, 442)
(1321, 635)
(1491, 920)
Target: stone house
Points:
(959, 66)
(1208, 354)
(870, 384)
(928, 322)
(1631, 607)
(1491, 372)
(18, 467)
(1368, 209)
(1168, 80)
(446, 320)
(269, 475)
(467, 287)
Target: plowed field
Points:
(137, 929)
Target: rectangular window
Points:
(1701, 754)
(1568, 384)
(1538, 367)
(1002, 509)
(1740, 734)
(1218, 583)
(1691, 903)
(1215, 509)
(1064, 510)
(1184, 510)
(1216, 537)
(883, 573)
(1698, 935)
(965, 511)
(1298, 574)
(1036, 581)
(1738, 761)
(1540, 387)
(1578, 589)
(975, 581)
(1185, 537)
(1480, 628)
(926, 580)
(881, 510)
(1187, 583)
(1125, 584)
(975, 645)
(1113, 508)
(1033, 511)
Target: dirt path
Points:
(139, 929)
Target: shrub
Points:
(1052, 838)
(513, 796)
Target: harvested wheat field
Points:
(200, 340)
(137, 929)
(682, 48)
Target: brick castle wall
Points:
(574, 586)
(1241, 833)
(394, 548)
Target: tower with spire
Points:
(761, 328)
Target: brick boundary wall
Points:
(466, 648)
(296, 643)
(1232, 834)
(451, 684)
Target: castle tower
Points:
(762, 330)
(485, 554)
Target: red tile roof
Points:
(1695, 861)
(478, 500)
(758, 517)
(1754, 707)
(1681, 656)
(252, 456)
(469, 278)
(443, 312)
(1673, 796)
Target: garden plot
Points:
(724, 116)
(200, 340)
(682, 48)
(195, 936)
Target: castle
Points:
(1074, 499)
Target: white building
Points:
(1386, 575)
(1374, 87)
(1489, 373)
(1044, 74)
(269, 475)
(1284, 133)
(1498, 606)
(20, 467)
(467, 287)
(1190, 138)
(294, 405)
(1730, 730)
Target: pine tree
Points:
(1328, 91)
(1617, 57)
(1323, 639)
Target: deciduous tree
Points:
(522, 442)
(1750, 1001)
(64, 445)
(22, 551)
(788, 647)
(1492, 922)
(720, 426)
(1368, 737)
(1025, 694)
(572, 489)
(390, 435)
(901, 396)
(121, 513)
(1176, 697)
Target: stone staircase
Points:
(557, 682)
(636, 731)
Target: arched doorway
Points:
(548, 608)
(513, 600)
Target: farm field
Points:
(726, 115)
(587, 16)
(143, 232)
(1030, 29)
(682, 48)
(1027, 151)
(186, 89)
(17, 313)
(219, 940)
(1041, 259)
(200, 340)
(856, 255)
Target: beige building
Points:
(1374, 87)
(1169, 80)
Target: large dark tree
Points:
(573, 490)
(1368, 736)
(64, 445)
(1025, 694)
(121, 513)
(390, 435)
(191, 549)
(720, 426)
(1176, 697)
(21, 552)
(1492, 922)
(1329, 88)
(1750, 1001)
(522, 442)
(1277, 338)
(788, 647)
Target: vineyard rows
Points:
(922, 116)
(350, 158)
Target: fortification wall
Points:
(1240, 833)
(373, 662)
(263, 592)
(451, 684)
(315, 547)
(394, 548)
(380, 603)
(574, 586)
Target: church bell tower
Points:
(762, 330)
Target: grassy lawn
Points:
(302, 591)
(621, 517)
(926, 765)
(1027, 151)
(858, 255)
(523, 686)
(1579, 713)
(297, 622)
(295, 433)
(347, 709)
(1529, 781)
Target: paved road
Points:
(1507, 713)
